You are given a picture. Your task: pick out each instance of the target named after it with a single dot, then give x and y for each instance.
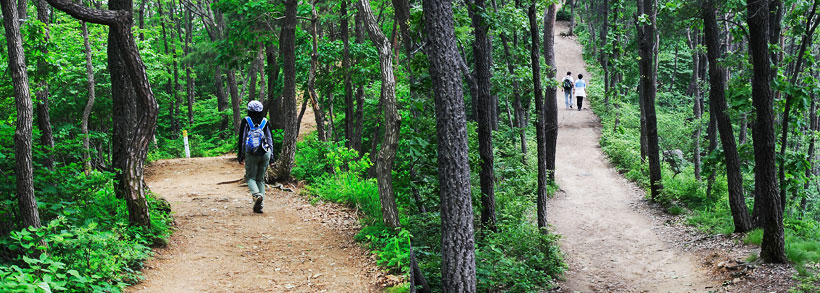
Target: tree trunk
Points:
(540, 124)
(236, 100)
(273, 106)
(29, 214)
(314, 60)
(571, 17)
(348, 84)
(807, 37)
(42, 92)
(89, 72)
(813, 125)
(482, 51)
(694, 92)
(133, 100)
(550, 111)
(717, 101)
(771, 215)
(221, 98)
(189, 79)
(287, 46)
(458, 246)
(646, 33)
(392, 120)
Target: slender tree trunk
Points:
(392, 120)
(648, 80)
(717, 99)
(42, 91)
(458, 246)
(810, 156)
(358, 115)
(482, 51)
(348, 84)
(771, 215)
(142, 19)
(571, 18)
(24, 175)
(807, 37)
(550, 111)
(287, 46)
(89, 72)
(189, 79)
(273, 106)
(694, 92)
(540, 124)
(221, 98)
(314, 60)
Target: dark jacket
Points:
(256, 117)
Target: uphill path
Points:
(220, 245)
(610, 245)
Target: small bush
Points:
(754, 237)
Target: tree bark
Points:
(221, 98)
(314, 59)
(348, 84)
(458, 246)
(646, 33)
(550, 94)
(189, 79)
(807, 37)
(133, 100)
(29, 214)
(694, 92)
(89, 72)
(287, 46)
(540, 123)
(392, 120)
(717, 100)
(771, 215)
(42, 91)
(482, 51)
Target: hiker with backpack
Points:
(580, 90)
(568, 86)
(255, 143)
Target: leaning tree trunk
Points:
(648, 82)
(717, 101)
(550, 111)
(287, 46)
(697, 111)
(771, 215)
(457, 243)
(540, 124)
(314, 98)
(43, 116)
(29, 215)
(89, 72)
(392, 120)
(482, 51)
(134, 103)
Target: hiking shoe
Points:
(257, 203)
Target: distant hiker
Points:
(580, 90)
(568, 85)
(255, 143)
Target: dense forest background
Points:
(435, 119)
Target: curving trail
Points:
(610, 246)
(221, 246)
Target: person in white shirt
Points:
(580, 90)
(567, 84)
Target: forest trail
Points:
(610, 245)
(220, 245)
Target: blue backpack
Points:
(255, 142)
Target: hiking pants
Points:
(568, 98)
(255, 167)
(580, 101)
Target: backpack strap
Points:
(250, 122)
(264, 121)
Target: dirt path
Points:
(610, 245)
(221, 246)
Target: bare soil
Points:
(610, 246)
(220, 245)
(617, 241)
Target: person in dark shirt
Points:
(255, 159)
